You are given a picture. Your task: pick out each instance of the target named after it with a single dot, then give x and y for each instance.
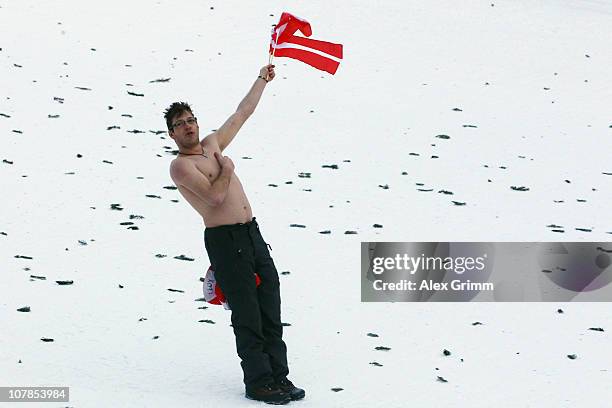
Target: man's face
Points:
(185, 130)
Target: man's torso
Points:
(234, 209)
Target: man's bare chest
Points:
(208, 166)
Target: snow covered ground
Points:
(521, 88)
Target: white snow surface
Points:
(530, 79)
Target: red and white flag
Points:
(322, 55)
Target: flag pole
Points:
(272, 55)
(271, 58)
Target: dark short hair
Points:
(174, 110)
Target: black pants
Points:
(236, 252)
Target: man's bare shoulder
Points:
(180, 167)
(180, 162)
(210, 142)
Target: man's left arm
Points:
(225, 134)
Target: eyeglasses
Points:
(181, 123)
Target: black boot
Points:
(287, 387)
(269, 393)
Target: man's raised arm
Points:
(225, 134)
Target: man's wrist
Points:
(261, 77)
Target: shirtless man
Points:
(235, 246)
